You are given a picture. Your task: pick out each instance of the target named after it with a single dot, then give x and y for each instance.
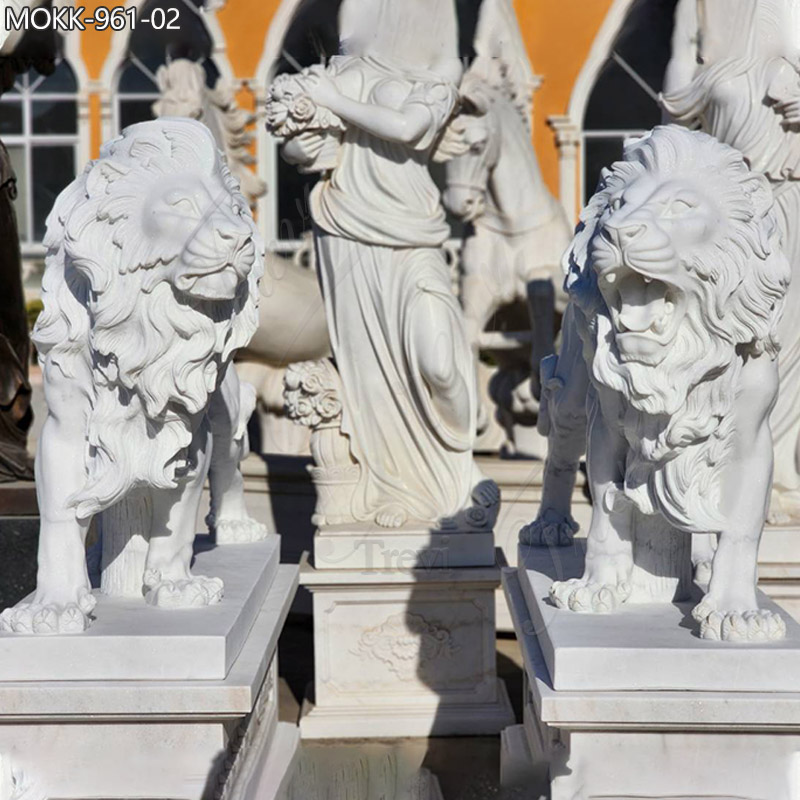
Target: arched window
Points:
(39, 126)
(149, 47)
(624, 99)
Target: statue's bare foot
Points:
(46, 618)
(193, 592)
(240, 531)
(586, 596)
(486, 493)
(549, 529)
(753, 625)
(391, 516)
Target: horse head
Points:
(473, 141)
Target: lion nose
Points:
(623, 235)
(629, 233)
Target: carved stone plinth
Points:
(404, 652)
(700, 714)
(182, 739)
(134, 641)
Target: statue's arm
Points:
(312, 150)
(405, 125)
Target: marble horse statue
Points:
(511, 259)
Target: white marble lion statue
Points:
(666, 378)
(151, 284)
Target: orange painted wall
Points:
(558, 35)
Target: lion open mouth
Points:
(646, 312)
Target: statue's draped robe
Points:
(15, 391)
(379, 231)
(729, 101)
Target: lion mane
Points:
(676, 416)
(147, 355)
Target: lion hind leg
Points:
(168, 580)
(230, 410)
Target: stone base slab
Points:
(389, 722)
(645, 646)
(130, 640)
(404, 653)
(157, 739)
(653, 745)
(366, 546)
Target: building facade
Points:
(601, 64)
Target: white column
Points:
(568, 140)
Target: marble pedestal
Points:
(210, 733)
(404, 647)
(635, 705)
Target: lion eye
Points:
(678, 208)
(184, 204)
(616, 203)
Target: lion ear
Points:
(757, 188)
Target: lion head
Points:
(679, 276)
(151, 281)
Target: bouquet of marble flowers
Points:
(290, 109)
(311, 393)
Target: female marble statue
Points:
(396, 328)
(734, 74)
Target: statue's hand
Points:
(321, 89)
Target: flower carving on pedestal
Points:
(407, 643)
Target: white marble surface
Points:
(669, 367)
(404, 652)
(397, 331)
(160, 739)
(733, 73)
(645, 647)
(721, 744)
(367, 546)
(132, 641)
(133, 403)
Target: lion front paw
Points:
(757, 625)
(549, 529)
(49, 618)
(194, 592)
(240, 531)
(586, 597)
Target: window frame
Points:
(28, 140)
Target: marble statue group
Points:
(660, 345)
